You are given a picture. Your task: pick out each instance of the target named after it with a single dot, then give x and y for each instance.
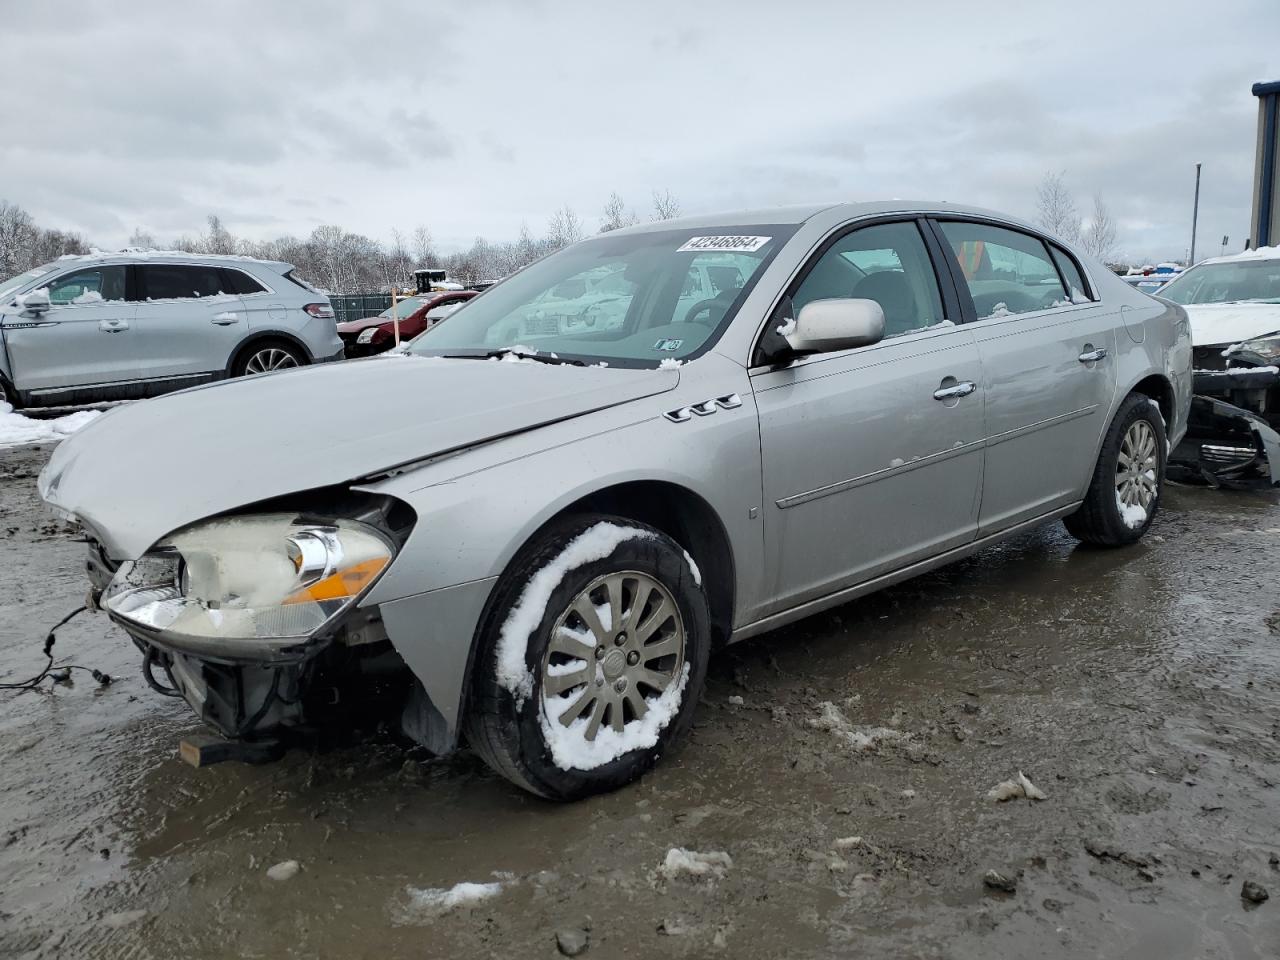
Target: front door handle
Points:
(225, 319)
(1092, 356)
(955, 391)
(113, 326)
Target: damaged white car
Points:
(539, 563)
(1233, 304)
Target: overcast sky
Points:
(475, 117)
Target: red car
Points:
(370, 335)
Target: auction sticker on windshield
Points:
(735, 244)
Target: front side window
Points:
(92, 285)
(1234, 281)
(887, 263)
(1007, 272)
(175, 282)
(624, 300)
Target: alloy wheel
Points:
(620, 643)
(1137, 467)
(268, 359)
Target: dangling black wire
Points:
(63, 673)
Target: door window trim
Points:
(952, 305)
(962, 285)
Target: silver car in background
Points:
(537, 553)
(131, 325)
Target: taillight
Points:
(321, 311)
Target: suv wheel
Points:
(1127, 481)
(591, 660)
(267, 357)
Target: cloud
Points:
(476, 118)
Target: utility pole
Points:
(1195, 215)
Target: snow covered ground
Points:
(15, 429)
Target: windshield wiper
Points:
(514, 352)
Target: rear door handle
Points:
(1091, 356)
(225, 319)
(955, 391)
(113, 326)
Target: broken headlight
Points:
(256, 587)
(1266, 347)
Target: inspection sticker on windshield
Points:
(668, 346)
(735, 244)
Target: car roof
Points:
(1261, 253)
(798, 214)
(166, 256)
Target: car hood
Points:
(1226, 323)
(355, 326)
(143, 470)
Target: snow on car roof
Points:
(95, 256)
(1261, 253)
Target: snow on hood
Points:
(1228, 323)
(141, 471)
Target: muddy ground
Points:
(1138, 689)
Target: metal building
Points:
(1265, 230)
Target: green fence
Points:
(359, 306)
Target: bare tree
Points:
(616, 214)
(665, 205)
(17, 237)
(218, 239)
(1099, 238)
(1056, 208)
(142, 240)
(564, 228)
(424, 251)
(397, 262)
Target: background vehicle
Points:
(364, 338)
(544, 565)
(1234, 307)
(131, 325)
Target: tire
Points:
(267, 356)
(1138, 425)
(8, 395)
(518, 732)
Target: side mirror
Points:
(824, 326)
(35, 303)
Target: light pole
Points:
(1195, 215)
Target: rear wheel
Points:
(591, 660)
(267, 357)
(1124, 493)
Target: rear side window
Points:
(173, 282)
(1072, 274)
(237, 281)
(1007, 272)
(93, 285)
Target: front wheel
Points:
(592, 658)
(1124, 493)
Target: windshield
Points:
(14, 284)
(1236, 281)
(625, 300)
(403, 309)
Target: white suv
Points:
(137, 324)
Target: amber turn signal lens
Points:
(341, 585)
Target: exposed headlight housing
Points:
(259, 587)
(1266, 347)
(366, 335)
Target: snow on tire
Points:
(592, 656)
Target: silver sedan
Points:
(530, 538)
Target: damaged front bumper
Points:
(1226, 446)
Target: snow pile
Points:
(594, 543)
(1241, 371)
(425, 904)
(713, 864)
(1017, 788)
(787, 327)
(999, 310)
(569, 746)
(15, 429)
(671, 363)
(285, 870)
(693, 568)
(832, 721)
